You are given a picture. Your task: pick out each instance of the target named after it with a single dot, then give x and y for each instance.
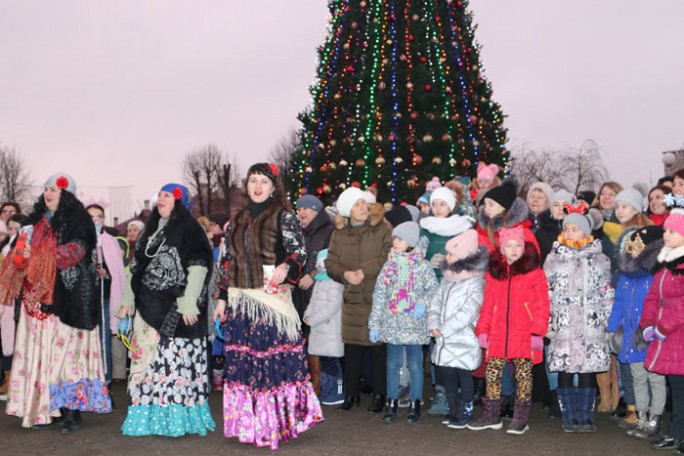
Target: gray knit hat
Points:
(585, 222)
(544, 187)
(408, 231)
(633, 197)
(562, 195)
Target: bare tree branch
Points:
(14, 176)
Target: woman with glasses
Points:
(168, 386)
(57, 367)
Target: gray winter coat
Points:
(454, 310)
(581, 301)
(324, 316)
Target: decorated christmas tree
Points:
(400, 97)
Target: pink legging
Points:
(7, 327)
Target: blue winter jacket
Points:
(630, 293)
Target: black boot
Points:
(553, 409)
(391, 411)
(480, 387)
(55, 421)
(414, 413)
(349, 402)
(507, 403)
(378, 404)
(454, 409)
(72, 421)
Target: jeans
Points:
(414, 358)
(507, 383)
(676, 429)
(552, 376)
(626, 380)
(641, 380)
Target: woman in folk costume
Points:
(168, 384)
(267, 395)
(57, 366)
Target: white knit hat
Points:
(62, 181)
(347, 199)
(633, 197)
(445, 194)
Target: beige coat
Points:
(365, 247)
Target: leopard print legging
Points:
(523, 375)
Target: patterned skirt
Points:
(168, 386)
(55, 366)
(267, 395)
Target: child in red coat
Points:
(512, 325)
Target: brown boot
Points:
(630, 420)
(603, 381)
(5, 384)
(315, 371)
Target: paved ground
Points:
(343, 433)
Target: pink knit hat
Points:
(463, 245)
(675, 221)
(511, 234)
(487, 172)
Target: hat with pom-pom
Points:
(503, 194)
(487, 172)
(433, 184)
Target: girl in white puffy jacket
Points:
(451, 319)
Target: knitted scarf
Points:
(400, 281)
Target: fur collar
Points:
(500, 269)
(672, 259)
(449, 226)
(477, 262)
(517, 214)
(593, 248)
(646, 260)
(375, 217)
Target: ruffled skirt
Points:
(267, 395)
(168, 386)
(55, 366)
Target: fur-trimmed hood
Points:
(376, 216)
(528, 262)
(672, 259)
(645, 262)
(517, 214)
(477, 262)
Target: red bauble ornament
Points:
(382, 86)
(473, 118)
(411, 38)
(417, 159)
(423, 59)
(356, 184)
(428, 87)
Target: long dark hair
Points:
(68, 205)
(271, 171)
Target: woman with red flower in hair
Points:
(267, 395)
(168, 385)
(57, 367)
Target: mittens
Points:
(537, 343)
(373, 335)
(649, 333)
(418, 311)
(483, 340)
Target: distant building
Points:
(673, 160)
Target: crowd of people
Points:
(499, 297)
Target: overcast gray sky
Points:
(117, 92)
